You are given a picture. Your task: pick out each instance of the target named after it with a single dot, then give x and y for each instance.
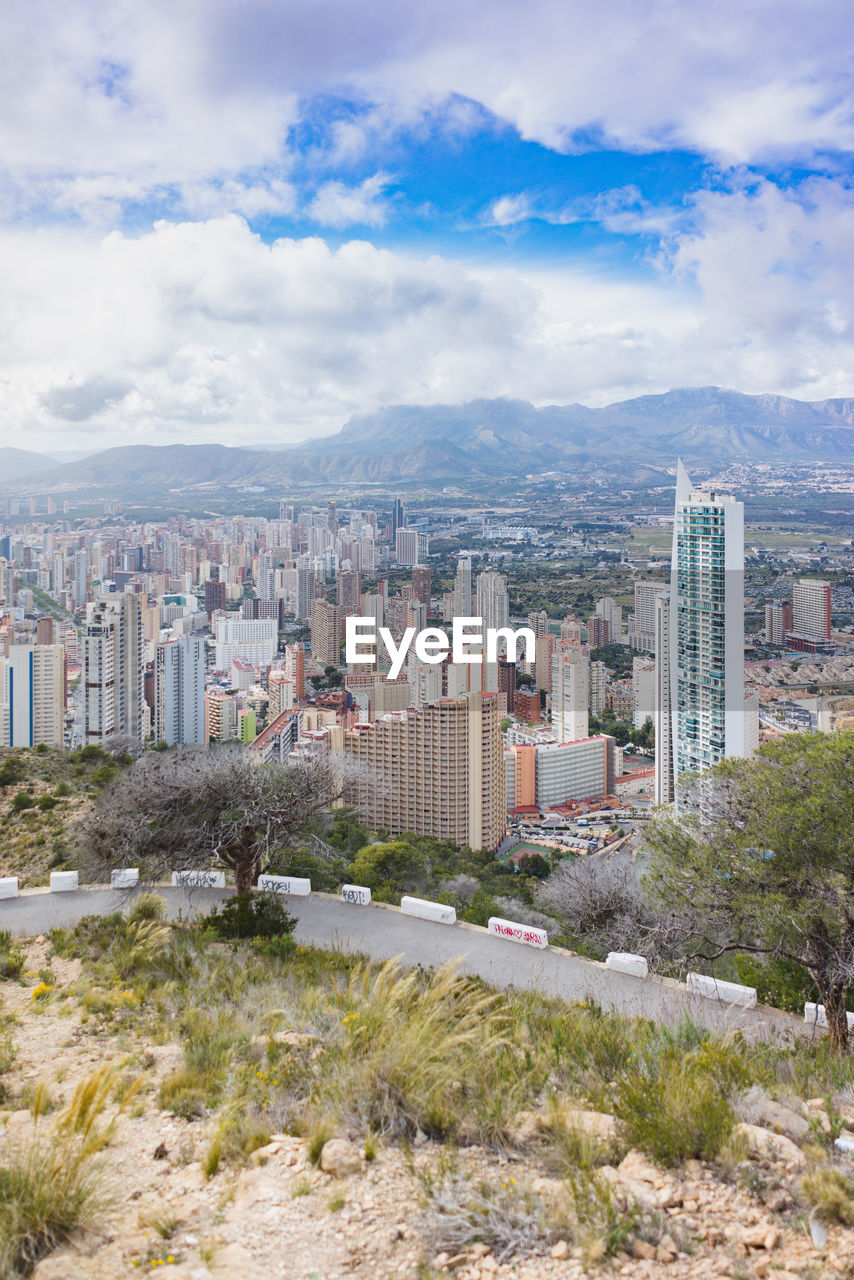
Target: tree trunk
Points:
(243, 877)
(833, 995)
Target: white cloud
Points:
(507, 211)
(200, 331)
(161, 95)
(337, 205)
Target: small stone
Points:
(340, 1158)
(772, 1146)
(489, 1264)
(639, 1169)
(593, 1124)
(778, 1201)
(782, 1119)
(643, 1249)
(480, 1250)
(757, 1237)
(560, 1250)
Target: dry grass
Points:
(462, 1208)
(831, 1194)
(435, 1057)
(53, 1183)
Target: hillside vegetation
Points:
(270, 1104)
(41, 792)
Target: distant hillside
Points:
(148, 464)
(20, 462)
(500, 439)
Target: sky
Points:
(243, 221)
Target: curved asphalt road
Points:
(380, 932)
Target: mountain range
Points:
(485, 439)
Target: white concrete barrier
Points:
(356, 893)
(627, 962)
(9, 887)
(526, 933)
(125, 878)
(298, 886)
(699, 984)
(425, 910)
(815, 1015)
(198, 879)
(64, 881)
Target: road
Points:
(381, 932)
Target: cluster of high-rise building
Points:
(202, 630)
(803, 623)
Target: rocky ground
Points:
(348, 1216)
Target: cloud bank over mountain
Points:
(247, 222)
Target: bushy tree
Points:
(395, 865)
(762, 852)
(187, 809)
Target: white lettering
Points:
(464, 639)
(431, 645)
(511, 638)
(359, 631)
(395, 652)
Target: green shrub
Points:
(281, 947)
(12, 771)
(104, 775)
(677, 1104)
(11, 958)
(147, 906)
(46, 803)
(8, 1053)
(22, 800)
(185, 1093)
(256, 915)
(209, 1044)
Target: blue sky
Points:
(245, 222)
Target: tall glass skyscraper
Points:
(704, 660)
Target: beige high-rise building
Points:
(326, 632)
(280, 690)
(112, 668)
(810, 610)
(221, 716)
(570, 693)
(546, 645)
(570, 631)
(437, 772)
